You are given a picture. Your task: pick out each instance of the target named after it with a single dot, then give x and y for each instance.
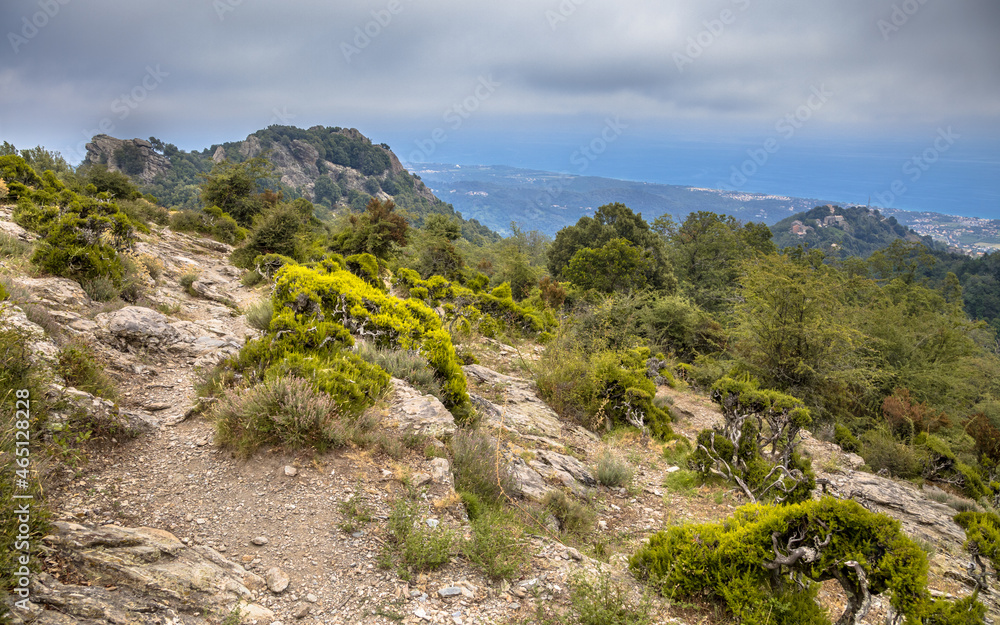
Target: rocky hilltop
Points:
(134, 157)
(165, 525)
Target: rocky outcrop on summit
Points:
(134, 157)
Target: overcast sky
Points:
(198, 72)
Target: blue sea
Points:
(939, 171)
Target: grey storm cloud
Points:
(226, 67)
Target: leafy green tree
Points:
(326, 191)
(613, 221)
(236, 187)
(42, 160)
(616, 266)
(116, 183)
(707, 252)
(379, 231)
(793, 332)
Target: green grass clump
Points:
(259, 314)
(613, 471)
(574, 517)
(497, 544)
(77, 364)
(413, 546)
(287, 411)
(12, 247)
(356, 514)
(476, 467)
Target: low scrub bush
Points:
(77, 364)
(100, 289)
(142, 211)
(259, 314)
(497, 544)
(612, 470)
(386, 321)
(187, 281)
(755, 446)
(883, 453)
(405, 365)
(601, 389)
(843, 436)
(756, 559)
(573, 516)
(413, 546)
(478, 469)
(283, 410)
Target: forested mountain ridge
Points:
(335, 168)
(843, 232)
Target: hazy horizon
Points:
(797, 98)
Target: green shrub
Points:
(982, 534)
(882, 452)
(405, 365)
(603, 601)
(259, 314)
(848, 442)
(755, 446)
(251, 278)
(283, 410)
(612, 470)
(413, 546)
(497, 544)
(77, 364)
(386, 321)
(365, 266)
(573, 517)
(100, 289)
(186, 281)
(428, 549)
(478, 469)
(351, 383)
(736, 561)
(142, 211)
(603, 389)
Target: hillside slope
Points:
(842, 232)
(338, 169)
